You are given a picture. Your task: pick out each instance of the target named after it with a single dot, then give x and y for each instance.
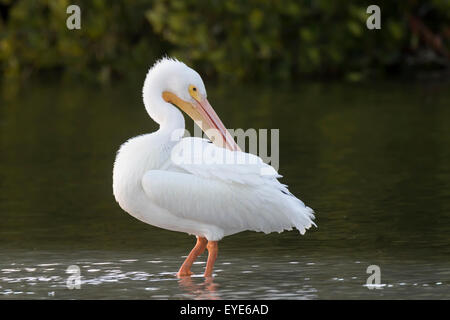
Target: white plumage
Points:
(191, 185)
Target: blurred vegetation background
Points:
(235, 40)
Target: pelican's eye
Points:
(193, 91)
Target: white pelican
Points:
(208, 200)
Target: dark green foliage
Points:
(232, 39)
(115, 39)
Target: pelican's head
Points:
(170, 81)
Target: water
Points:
(373, 161)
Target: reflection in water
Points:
(205, 290)
(43, 275)
(373, 161)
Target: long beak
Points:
(206, 118)
(214, 127)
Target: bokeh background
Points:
(364, 140)
(233, 40)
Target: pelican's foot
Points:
(184, 273)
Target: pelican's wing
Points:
(202, 158)
(231, 190)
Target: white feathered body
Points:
(184, 186)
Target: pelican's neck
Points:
(173, 123)
(170, 119)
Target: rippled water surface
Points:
(372, 160)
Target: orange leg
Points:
(199, 248)
(213, 249)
